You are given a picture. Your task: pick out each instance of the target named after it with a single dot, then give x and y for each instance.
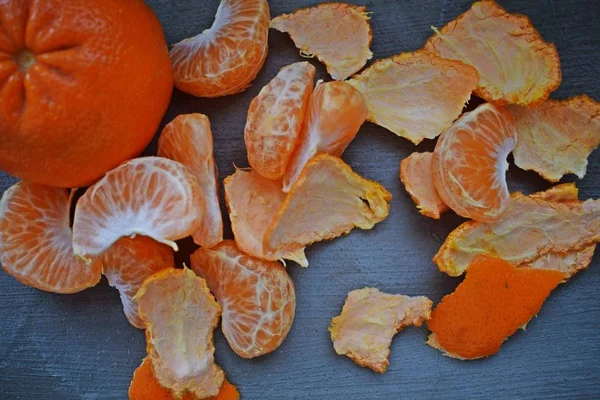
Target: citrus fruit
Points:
(257, 297)
(84, 85)
(150, 196)
(469, 163)
(35, 240)
(556, 137)
(253, 202)
(368, 322)
(338, 34)
(493, 301)
(403, 93)
(275, 117)
(188, 140)
(225, 58)
(417, 177)
(181, 316)
(334, 115)
(128, 262)
(531, 227)
(514, 63)
(328, 200)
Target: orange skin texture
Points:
(90, 93)
(491, 304)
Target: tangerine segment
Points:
(403, 93)
(338, 34)
(188, 139)
(530, 227)
(514, 63)
(328, 200)
(35, 240)
(557, 136)
(275, 117)
(335, 113)
(417, 177)
(128, 262)
(181, 315)
(225, 58)
(253, 201)
(368, 322)
(150, 196)
(257, 297)
(469, 163)
(493, 301)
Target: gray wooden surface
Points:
(81, 346)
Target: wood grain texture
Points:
(80, 346)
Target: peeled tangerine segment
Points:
(338, 34)
(368, 322)
(150, 196)
(335, 113)
(514, 63)
(417, 177)
(557, 136)
(253, 202)
(275, 117)
(328, 200)
(145, 386)
(181, 316)
(127, 264)
(541, 225)
(35, 240)
(257, 296)
(469, 163)
(188, 139)
(492, 303)
(403, 93)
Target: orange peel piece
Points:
(339, 34)
(275, 117)
(36, 240)
(514, 63)
(334, 115)
(188, 139)
(417, 177)
(531, 227)
(253, 202)
(493, 301)
(557, 136)
(257, 297)
(127, 264)
(328, 200)
(403, 93)
(174, 303)
(368, 322)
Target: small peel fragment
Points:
(368, 322)
(403, 93)
(328, 200)
(493, 301)
(253, 202)
(174, 303)
(556, 137)
(339, 34)
(417, 177)
(515, 65)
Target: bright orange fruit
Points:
(275, 117)
(150, 196)
(225, 58)
(188, 139)
(35, 240)
(257, 297)
(335, 113)
(469, 163)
